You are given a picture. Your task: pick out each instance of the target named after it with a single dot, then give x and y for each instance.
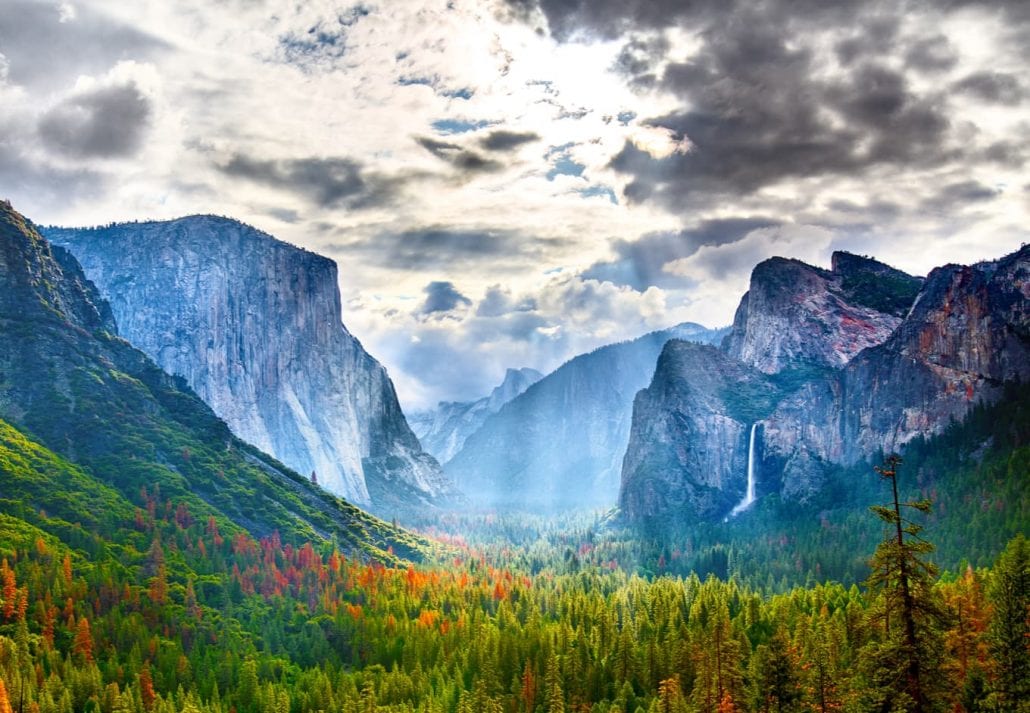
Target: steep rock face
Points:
(68, 383)
(968, 331)
(688, 447)
(561, 442)
(444, 430)
(797, 315)
(254, 327)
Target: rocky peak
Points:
(515, 382)
(797, 315)
(254, 326)
(561, 442)
(444, 430)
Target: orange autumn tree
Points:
(83, 644)
(5, 703)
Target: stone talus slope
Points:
(254, 327)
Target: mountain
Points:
(796, 315)
(688, 444)
(92, 430)
(964, 333)
(560, 443)
(254, 326)
(444, 430)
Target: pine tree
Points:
(83, 644)
(1008, 634)
(553, 685)
(904, 662)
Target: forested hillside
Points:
(205, 622)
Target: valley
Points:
(693, 535)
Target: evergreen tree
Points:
(1009, 630)
(904, 659)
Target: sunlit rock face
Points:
(254, 327)
(560, 443)
(967, 333)
(444, 430)
(861, 363)
(799, 315)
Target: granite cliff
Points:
(123, 427)
(254, 326)
(861, 359)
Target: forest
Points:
(171, 615)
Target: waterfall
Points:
(749, 496)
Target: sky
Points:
(509, 183)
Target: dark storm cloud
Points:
(326, 182)
(759, 104)
(440, 247)
(109, 122)
(639, 263)
(442, 297)
(961, 194)
(996, 87)
(502, 140)
(467, 162)
(932, 54)
(756, 117)
(873, 38)
(45, 51)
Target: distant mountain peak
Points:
(443, 430)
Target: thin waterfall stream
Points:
(749, 496)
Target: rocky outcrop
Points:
(929, 358)
(444, 430)
(967, 333)
(71, 385)
(254, 327)
(561, 442)
(796, 315)
(688, 447)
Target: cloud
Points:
(465, 161)
(502, 140)
(441, 296)
(332, 182)
(107, 122)
(641, 263)
(932, 54)
(499, 301)
(322, 44)
(47, 46)
(961, 194)
(774, 93)
(995, 87)
(443, 247)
